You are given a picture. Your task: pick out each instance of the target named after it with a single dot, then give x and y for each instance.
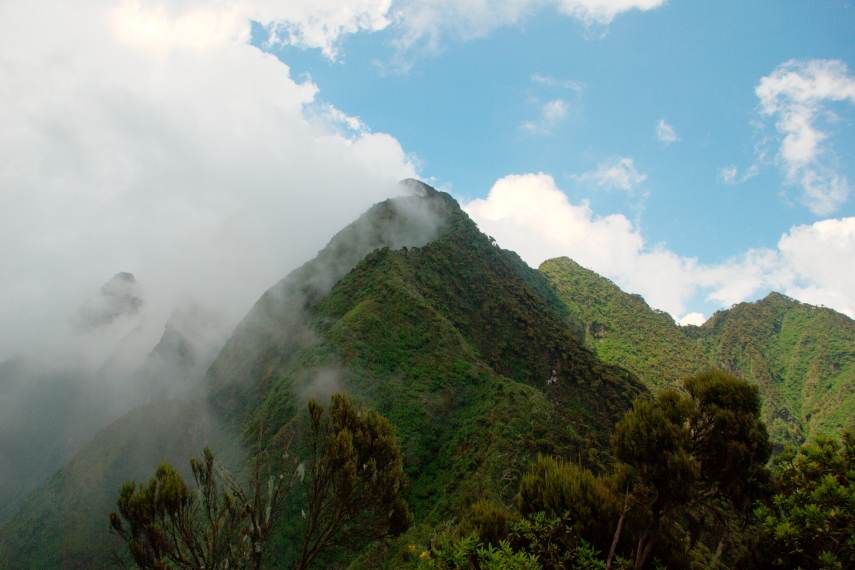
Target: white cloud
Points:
(530, 215)
(696, 319)
(551, 113)
(604, 11)
(151, 138)
(727, 174)
(822, 259)
(617, 174)
(665, 132)
(730, 174)
(430, 23)
(552, 82)
(320, 23)
(795, 95)
(147, 136)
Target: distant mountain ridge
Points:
(802, 357)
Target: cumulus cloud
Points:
(529, 214)
(821, 260)
(696, 319)
(150, 138)
(795, 97)
(618, 174)
(665, 132)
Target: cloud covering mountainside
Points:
(157, 141)
(152, 138)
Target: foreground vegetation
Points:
(349, 471)
(690, 487)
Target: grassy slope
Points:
(453, 346)
(446, 339)
(802, 357)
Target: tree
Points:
(221, 526)
(694, 457)
(564, 490)
(808, 523)
(352, 474)
(355, 480)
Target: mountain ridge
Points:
(481, 362)
(799, 355)
(414, 311)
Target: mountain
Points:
(413, 311)
(62, 524)
(37, 406)
(51, 406)
(801, 357)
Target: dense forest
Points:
(417, 397)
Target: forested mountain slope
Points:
(802, 357)
(415, 312)
(62, 524)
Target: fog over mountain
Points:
(159, 172)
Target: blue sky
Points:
(699, 153)
(693, 65)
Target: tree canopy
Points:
(695, 456)
(350, 470)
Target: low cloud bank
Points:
(153, 140)
(529, 214)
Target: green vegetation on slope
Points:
(801, 357)
(436, 329)
(62, 524)
(680, 493)
(621, 328)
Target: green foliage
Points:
(488, 521)
(621, 328)
(694, 457)
(355, 479)
(809, 522)
(560, 489)
(62, 524)
(800, 356)
(165, 524)
(534, 543)
(353, 485)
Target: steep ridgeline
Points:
(415, 312)
(802, 357)
(621, 328)
(445, 338)
(51, 405)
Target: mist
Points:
(152, 190)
